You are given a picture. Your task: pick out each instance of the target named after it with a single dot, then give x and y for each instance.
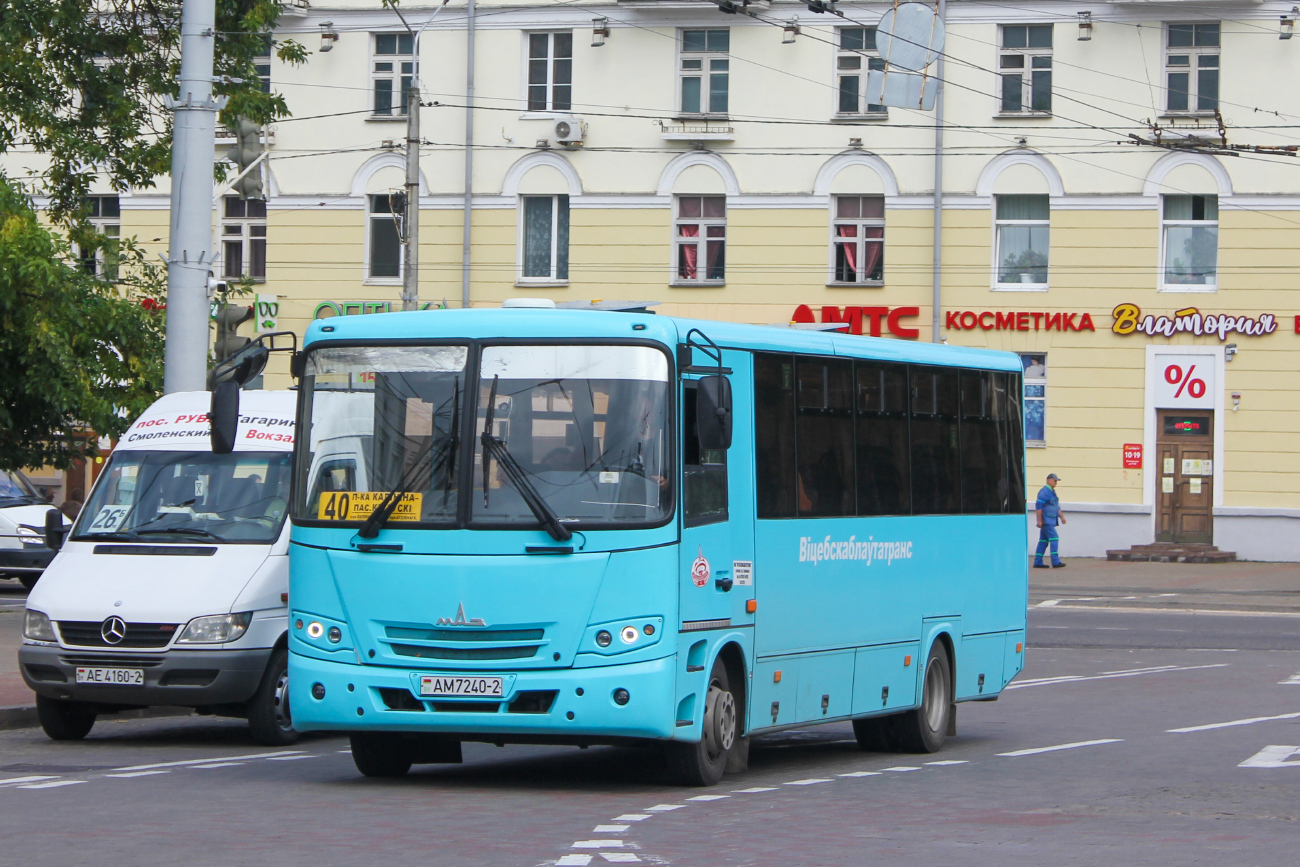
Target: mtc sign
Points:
(873, 319)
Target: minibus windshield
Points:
(15, 490)
(183, 497)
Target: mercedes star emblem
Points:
(113, 630)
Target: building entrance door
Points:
(1185, 496)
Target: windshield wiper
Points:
(495, 447)
(198, 531)
(384, 511)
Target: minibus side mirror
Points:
(223, 417)
(54, 529)
(713, 412)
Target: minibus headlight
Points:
(29, 536)
(215, 628)
(37, 627)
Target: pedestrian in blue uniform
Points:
(1049, 515)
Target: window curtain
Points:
(688, 253)
(537, 236)
(850, 249)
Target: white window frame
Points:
(372, 216)
(712, 62)
(1194, 54)
(1165, 225)
(549, 109)
(262, 63)
(107, 265)
(246, 232)
(998, 225)
(1025, 399)
(1028, 57)
(699, 242)
(398, 76)
(867, 58)
(860, 240)
(554, 278)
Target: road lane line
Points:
(1272, 757)
(708, 797)
(664, 808)
(950, 762)
(573, 861)
(1079, 678)
(1293, 680)
(289, 758)
(753, 790)
(1035, 751)
(205, 761)
(860, 774)
(631, 817)
(598, 844)
(620, 857)
(56, 784)
(901, 768)
(810, 782)
(26, 780)
(610, 829)
(217, 765)
(1230, 724)
(138, 774)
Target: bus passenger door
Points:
(717, 513)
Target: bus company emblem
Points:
(461, 619)
(700, 570)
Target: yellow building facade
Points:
(729, 167)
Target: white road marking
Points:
(1053, 749)
(752, 790)
(631, 817)
(205, 761)
(1293, 680)
(1272, 757)
(901, 768)
(950, 762)
(53, 785)
(620, 857)
(1079, 678)
(708, 797)
(1236, 722)
(218, 765)
(289, 758)
(809, 782)
(598, 844)
(138, 774)
(860, 774)
(610, 829)
(26, 780)
(664, 808)
(573, 861)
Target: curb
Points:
(25, 717)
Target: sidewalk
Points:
(1241, 586)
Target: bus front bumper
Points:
(560, 705)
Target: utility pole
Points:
(936, 301)
(189, 258)
(411, 219)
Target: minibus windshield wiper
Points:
(495, 447)
(196, 531)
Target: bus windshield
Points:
(163, 496)
(583, 428)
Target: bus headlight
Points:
(37, 627)
(215, 628)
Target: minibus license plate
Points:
(125, 676)
(470, 687)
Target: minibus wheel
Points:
(924, 729)
(381, 754)
(269, 721)
(28, 580)
(703, 763)
(64, 720)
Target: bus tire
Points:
(269, 720)
(704, 762)
(380, 754)
(924, 729)
(64, 720)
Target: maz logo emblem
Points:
(460, 619)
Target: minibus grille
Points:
(465, 653)
(87, 633)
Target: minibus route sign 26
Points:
(357, 506)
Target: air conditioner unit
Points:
(569, 130)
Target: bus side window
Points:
(884, 463)
(824, 437)
(1013, 389)
(704, 471)
(936, 473)
(983, 444)
(774, 434)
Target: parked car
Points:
(23, 553)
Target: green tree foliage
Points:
(83, 85)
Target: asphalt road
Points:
(1132, 737)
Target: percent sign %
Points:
(1194, 386)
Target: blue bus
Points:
(587, 527)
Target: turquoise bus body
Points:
(835, 622)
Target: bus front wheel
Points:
(924, 729)
(381, 754)
(703, 763)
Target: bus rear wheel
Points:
(924, 729)
(381, 754)
(703, 763)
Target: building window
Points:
(550, 71)
(392, 66)
(701, 238)
(858, 240)
(857, 51)
(1022, 239)
(1192, 67)
(385, 257)
(262, 62)
(104, 215)
(1191, 242)
(703, 73)
(1025, 64)
(545, 238)
(243, 239)
(1035, 399)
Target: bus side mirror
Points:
(54, 529)
(223, 417)
(713, 412)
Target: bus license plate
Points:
(469, 687)
(124, 676)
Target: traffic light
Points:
(229, 317)
(247, 149)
